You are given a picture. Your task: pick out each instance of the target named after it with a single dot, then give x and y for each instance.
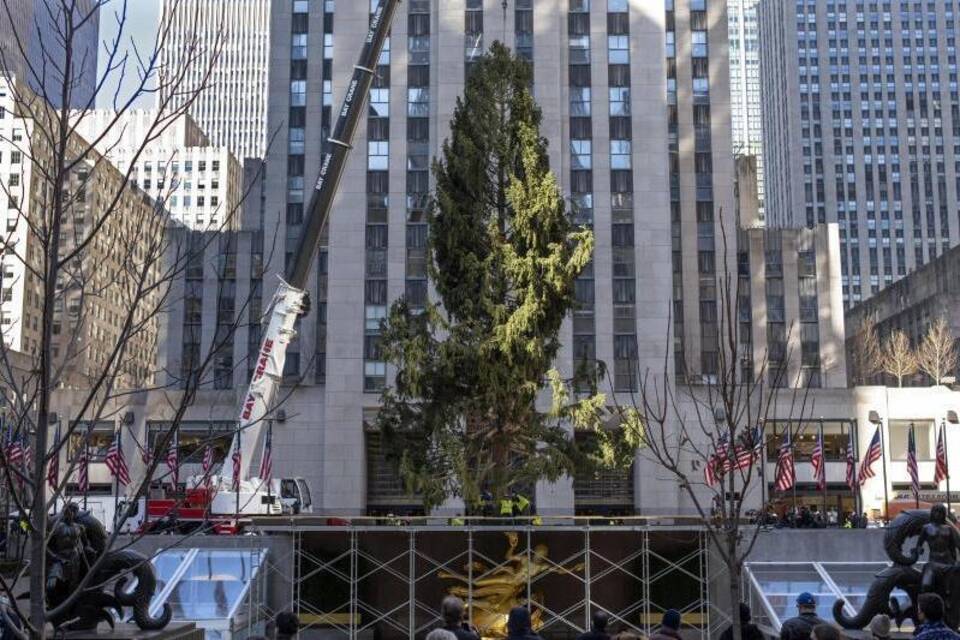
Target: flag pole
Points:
(763, 472)
(793, 452)
(269, 481)
(943, 434)
(823, 463)
(883, 459)
(236, 477)
(6, 506)
(916, 488)
(56, 481)
(116, 478)
(86, 465)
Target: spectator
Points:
(825, 632)
(287, 624)
(669, 626)
(441, 634)
(451, 610)
(598, 627)
(880, 627)
(627, 635)
(519, 626)
(930, 609)
(864, 521)
(800, 626)
(748, 630)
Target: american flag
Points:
(83, 482)
(116, 462)
(750, 449)
(173, 461)
(817, 461)
(943, 471)
(851, 465)
(236, 465)
(874, 453)
(14, 448)
(912, 467)
(266, 461)
(714, 468)
(53, 468)
(27, 452)
(786, 473)
(207, 459)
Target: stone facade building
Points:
(860, 125)
(200, 185)
(116, 224)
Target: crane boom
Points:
(289, 300)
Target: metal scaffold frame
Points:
(386, 581)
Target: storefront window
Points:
(835, 438)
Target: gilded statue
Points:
(495, 591)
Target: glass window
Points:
(580, 49)
(620, 101)
(418, 102)
(298, 93)
(378, 155)
(699, 42)
(579, 101)
(620, 154)
(298, 46)
(379, 103)
(616, 6)
(619, 48)
(580, 154)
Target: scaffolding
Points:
(359, 581)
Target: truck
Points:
(223, 500)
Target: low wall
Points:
(822, 545)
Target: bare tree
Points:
(937, 354)
(864, 354)
(899, 358)
(96, 261)
(711, 437)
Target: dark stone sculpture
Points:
(941, 574)
(77, 541)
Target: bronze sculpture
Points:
(77, 542)
(940, 575)
(495, 591)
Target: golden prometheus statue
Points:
(495, 591)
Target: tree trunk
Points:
(734, 571)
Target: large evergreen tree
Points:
(461, 417)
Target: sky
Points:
(140, 28)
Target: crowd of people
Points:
(806, 625)
(804, 517)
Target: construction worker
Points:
(506, 508)
(521, 504)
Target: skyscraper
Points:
(232, 108)
(31, 48)
(856, 99)
(634, 98)
(745, 84)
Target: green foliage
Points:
(461, 417)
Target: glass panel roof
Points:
(776, 586)
(205, 584)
